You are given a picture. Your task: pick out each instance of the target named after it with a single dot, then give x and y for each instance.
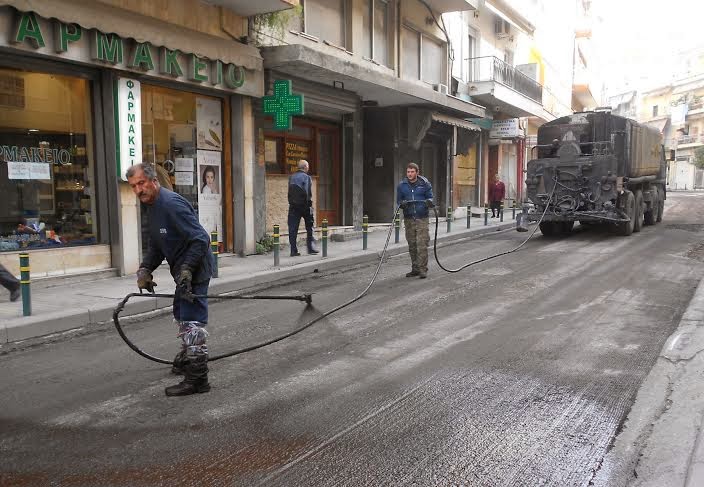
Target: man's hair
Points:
(148, 169)
(302, 164)
(413, 165)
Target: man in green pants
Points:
(415, 195)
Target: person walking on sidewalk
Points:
(300, 205)
(10, 283)
(415, 195)
(497, 191)
(176, 235)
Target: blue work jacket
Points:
(419, 192)
(175, 234)
(300, 192)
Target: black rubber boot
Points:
(195, 379)
(179, 363)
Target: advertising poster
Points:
(208, 121)
(210, 190)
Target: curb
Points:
(662, 437)
(78, 317)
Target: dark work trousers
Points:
(295, 213)
(184, 310)
(495, 207)
(8, 280)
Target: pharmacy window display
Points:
(182, 134)
(47, 171)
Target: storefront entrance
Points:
(319, 144)
(182, 134)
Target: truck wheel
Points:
(661, 205)
(650, 216)
(638, 223)
(548, 229)
(628, 205)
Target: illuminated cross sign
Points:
(283, 104)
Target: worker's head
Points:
(303, 165)
(143, 181)
(497, 178)
(412, 171)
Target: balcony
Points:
(688, 141)
(503, 88)
(491, 68)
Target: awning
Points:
(658, 124)
(521, 24)
(90, 14)
(457, 122)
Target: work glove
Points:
(430, 203)
(145, 280)
(184, 283)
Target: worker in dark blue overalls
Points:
(176, 235)
(300, 205)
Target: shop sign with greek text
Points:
(129, 127)
(30, 32)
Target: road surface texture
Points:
(515, 372)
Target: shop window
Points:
(47, 168)
(182, 135)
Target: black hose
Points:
(435, 244)
(120, 307)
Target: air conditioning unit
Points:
(441, 88)
(502, 29)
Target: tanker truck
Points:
(596, 168)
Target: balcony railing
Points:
(687, 139)
(491, 68)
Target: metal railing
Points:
(491, 68)
(688, 139)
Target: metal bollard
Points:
(486, 214)
(469, 216)
(514, 210)
(325, 237)
(277, 244)
(501, 212)
(215, 250)
(365, 231)
(397, 229)
(449, 219)
(24, 284)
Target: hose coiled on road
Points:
(484, 259)
(120, 307)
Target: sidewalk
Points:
(70, 305)
(662, 439)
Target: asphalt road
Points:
(518, 371)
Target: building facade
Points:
(88, 89)
(375, 76)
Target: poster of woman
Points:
(210, 180)
(209, 194)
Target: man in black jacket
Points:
(300, 205)
(175, 234)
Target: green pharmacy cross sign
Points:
(283, 104)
